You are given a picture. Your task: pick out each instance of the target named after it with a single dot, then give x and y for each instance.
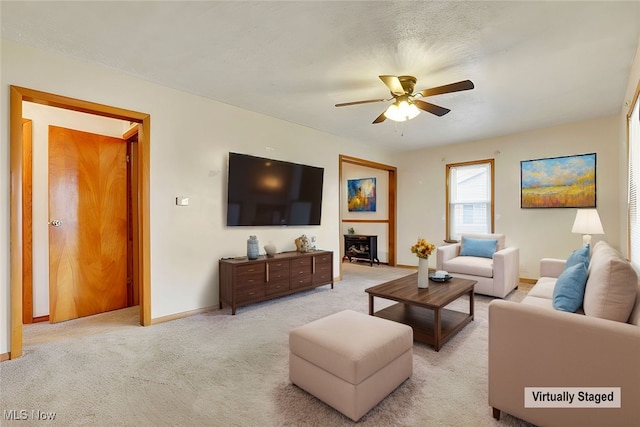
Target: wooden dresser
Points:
(244, 281)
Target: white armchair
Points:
(496, 276)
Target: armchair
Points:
(495, 276)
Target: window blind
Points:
(469, 199)
(634, 183)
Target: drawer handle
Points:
(250, 280)
(251, 269)
(251, 293)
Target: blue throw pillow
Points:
(478, 247)
(568, 293)
(578, 256)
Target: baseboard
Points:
(4, 357)
(40, 319)
(528, 281)
(183, 315)
(414, 267)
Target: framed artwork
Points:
(559, 182)
(361, 195)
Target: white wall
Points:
(352, 171)
(42, 116)
(190, 140)
(537, 232)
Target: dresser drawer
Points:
(322, 278)
(274, 266)
(277, 286)
(322, 267)
(301, 281)
(249, 279)
(278, 276)
(322, 259)
(301, 266)
(250, 293)
(250, 270)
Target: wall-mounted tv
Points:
(264, 191)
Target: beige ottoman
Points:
(350, 360)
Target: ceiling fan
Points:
(406, 107)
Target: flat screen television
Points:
(262, 192)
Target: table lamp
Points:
(587, 222)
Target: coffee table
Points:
(424, 309)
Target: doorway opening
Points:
(140, 194)
(388, 220)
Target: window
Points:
(469, 198)
(634, 183)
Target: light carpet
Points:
(215, 369)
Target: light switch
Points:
(182, 201)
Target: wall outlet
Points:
(182, 201)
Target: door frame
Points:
(141, 245)
(391, 212)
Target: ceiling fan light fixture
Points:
(401, 111)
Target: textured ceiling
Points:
(534, 64)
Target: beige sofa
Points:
(495, 276)
(533, 345)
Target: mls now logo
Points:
(23, 415)
(15, 415)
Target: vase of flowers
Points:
(423, 249)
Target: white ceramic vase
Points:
(423, 273)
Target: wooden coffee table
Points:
(424, 309)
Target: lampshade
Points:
(587, 222)
(401, 111)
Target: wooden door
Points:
(88, 224)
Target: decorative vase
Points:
(253, 249)
(423, 273)
(270, 249)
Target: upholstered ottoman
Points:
(350, 360)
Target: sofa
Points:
(538, 343)
(496, 271)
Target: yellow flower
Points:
(423, 248)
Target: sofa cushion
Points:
(538, 302)
(478, 247)
(611, 288)
(475, 266)
(578, 256)
(569, 290)
(543, 288)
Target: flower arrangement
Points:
(422, 248)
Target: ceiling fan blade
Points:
(393, 83)
(431, 108)
(381, 118)
(344, 104)
(452, 87)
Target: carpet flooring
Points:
(215, 369)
